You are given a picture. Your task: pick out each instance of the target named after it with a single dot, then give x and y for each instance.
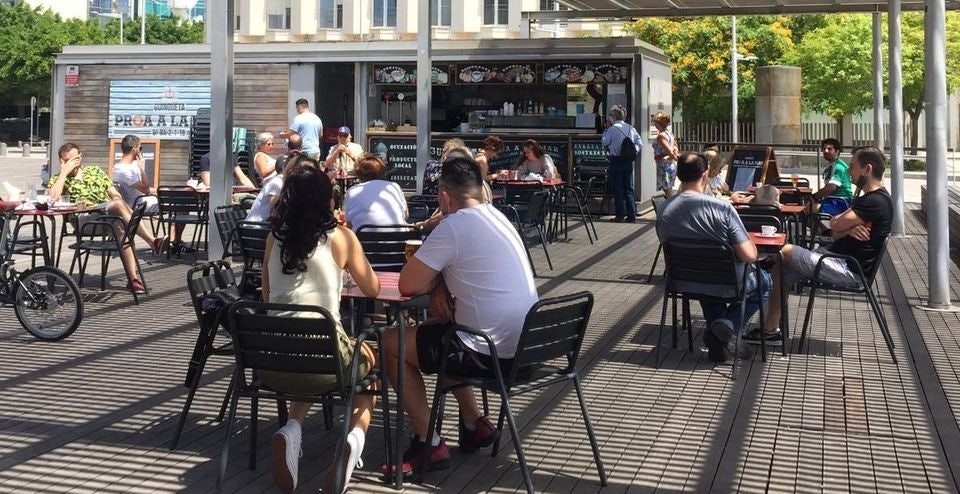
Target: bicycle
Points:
(46, 300)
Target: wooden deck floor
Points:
(95, 413)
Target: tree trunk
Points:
(914, 131)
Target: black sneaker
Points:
(728, 339)
(773, 338)
(715, 350)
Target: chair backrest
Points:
(871, 274)
(130, 230)
(590, 168)
(657, 202)
(208, 278)
(180, 201)
(519, 192)
(418, 211)
(251, 236)
(788, 182)
(750, 208)
(700, 262)
(227, 218)
(303, 340)
(386, 245)
(554, 328)
(431, 201)
(755, 222)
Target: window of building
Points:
(495, 11)
(384, 13)
(440, 13)
(278, 14)
(552, 5)
(330, 14)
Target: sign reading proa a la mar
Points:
(156, 109)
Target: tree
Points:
(699, 51)
(835, 63)
(160, 31)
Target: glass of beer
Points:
(412, 247)
(795, 179)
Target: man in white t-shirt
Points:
(310, 128)
(375, 200)
(131, 178)
(475, 268)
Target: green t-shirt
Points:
(88, 186)
(841, 178)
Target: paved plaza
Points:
(96, 412)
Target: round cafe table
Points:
(50, 245)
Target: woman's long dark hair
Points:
(535, 146)
(302, 216)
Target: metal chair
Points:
(227, 218)
(553, 329)
(703, 263)
(213, 287)
(307, 344)
(99, 236)
(184, 207)
(571, 200)
(251, 236)
(755, 222)
(865, 281)
(531, 219)
(418, 211)
(386, 245)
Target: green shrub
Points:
(915, 165)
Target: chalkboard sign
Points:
(149, 149)
(400, 156)
(588, 150)
(749, 165)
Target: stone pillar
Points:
(778, 109)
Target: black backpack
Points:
(628, 152)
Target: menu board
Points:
(400, 156)
(523, 73)
(751, 164)
(582, 73)
(407, 74)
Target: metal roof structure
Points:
(626, 9)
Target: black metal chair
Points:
(518, 193)
(431, 201)
(35, 244)
(656, 202)
(865, 281)
(788, 182)
(99, 236)
(571, 200)
(529, 221)
(597, 170)
(184, 207)
(307, 344)
(418, 211)
(705, 264)
(756, 222)
(213, 287)
(155, 217)
(251, 237)
(386, 245)
(227, 218)
(553, 329)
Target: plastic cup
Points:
(768, 230)
(411, 248)
(348, 280)
(513, 174)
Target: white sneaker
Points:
(286, 456)
(354, 449)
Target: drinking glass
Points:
(348, 280)
(795, 179)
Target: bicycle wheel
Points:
(47, 303)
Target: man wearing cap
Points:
(343, 157)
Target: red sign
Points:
(72, 78)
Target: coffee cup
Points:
(411, 248)
(768, 230)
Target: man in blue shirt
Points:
(621, 168)
(310, 128)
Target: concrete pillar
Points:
(778, 107)
(25, 149)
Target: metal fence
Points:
(811, 132)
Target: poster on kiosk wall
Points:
(164, 110)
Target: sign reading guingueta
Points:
(156, 109)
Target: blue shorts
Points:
(834, 205)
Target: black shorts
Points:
(462, 360)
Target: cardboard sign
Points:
(149, 148)
(749, 165)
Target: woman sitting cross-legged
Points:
(306, 254)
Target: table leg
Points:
(54, 253)
(784, 306)
(398, 452)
